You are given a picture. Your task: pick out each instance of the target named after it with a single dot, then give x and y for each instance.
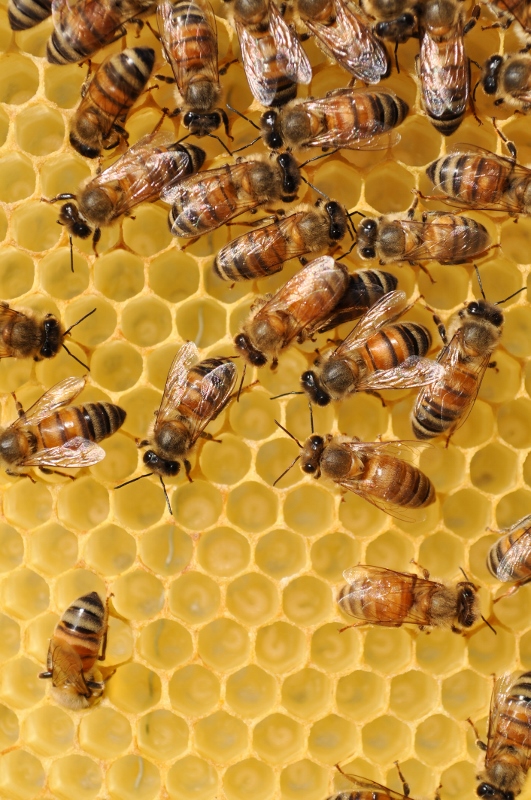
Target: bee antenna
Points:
(85, 366)
(510, 296)
(222, 143)
(241, 383)
(311, 416)
(284, 394)
(79, 320)
(290, 466)
(314, 188)
(487, 623)
(163, 489)
(245, 146)
(134, 480)
(317, 158)
(474, 92)
(479, 282)
(71, 253)
(282, 428)
(239, 113)
(464, 573)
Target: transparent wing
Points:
(177, 29)
(8, 317)
(297, 64)
(215, 391)
(176, 382)
(276, 236)
(516, 555)
(67, 667)
(385, 311)
(347, 136)
(504, 715)
(439, 62)
(438, 246)
(366, 785)
(520, 11)
(77, 452)
(414, 371)
(58, 396)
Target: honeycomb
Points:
(234, 681)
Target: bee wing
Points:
(500, 722)
(298, 66)
(77, 452)
(176, 382)
(515, 12)
(67, 667)
(278, 235)
(58, 396)
(436, 60)
(172, 28)
(438, 247)
(414, 371)
(391, 306)
(9, 317)
(215, 390)
(366, 785)
(350, 307)
(347, 136)
(351, 42)
(515, 556)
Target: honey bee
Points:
(263, 251)
(380, 596)
(313, 301)
(273, 59)
(50, 435)
(438, 236)
(119, 80)
(85, 26)
(442, 65)
(509, 558)
(377, 354)
(190, 42)
(508, 747)
(24, 14)
(396, 19)
(74, 650)
(202, 203)
(365, 789)
(154, 163)
(509, 78)
(508, 11)
(344, 34)
(347, 118)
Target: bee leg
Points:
(509, 592)
(374, 393)
(95, 239)
(20, 475)
(187, 469)
(479, 743)
(426, 272)
(405, 785)
(425, 572)
(354, 625)
(492, 365)
(511, 147)
(209, 437)
(48, 471)
(411, 210)
(474, 16)
(101, 657)
(440, 328)
(225, 67)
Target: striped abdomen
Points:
(509, 559)
(365, 288)
(444, 73)
(272, 65)
(92, 421)
(194, 401)
(366, 599)
(395, 481)
(475, 180)
(440, 405)
(82, 627)
(513, 729)
(362, 115)
(192, 41)
(23, 14)
(452, 239)
(393, 344)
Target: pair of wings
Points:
(291, 60)
(350, 41)
(215, 390)
(446, 238)
(519, 552)
(67, 667)
(444, 72)
(508, 688)
(76, 452)
(145, 167)
(368, 790)
(8, 318)
(175, 29)
(104, 18)
(386, 585)
(519, 10)
(414, 371)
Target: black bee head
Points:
(202, 124)
(466, 604)
(161, 466)
(248, 351)
(491, 72)
(367, 232)
(52, 337)
(311, 455)
(70, 217)
(291, 176)
(310, 384)
(338, 220)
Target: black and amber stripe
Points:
(395, 481)
(365, 288)
(475, 180)
(206, 395)
(509, 559)
(24, 14)
(393, 344)
(440, 405)
(92, 421)
(192, 40)
(362, 115)
(513, 720)
(83, 627)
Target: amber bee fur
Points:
(74, 649)
(86, 26)
(24, 14)
(273, 59)
(508, 11)
(438, 236)
(347, 118)
(202, 203)
(508, 747)
(442, 65)
(154, 163)
(509, 559)
(49, 435)
(263, 251)
(378, 354)
(508, 78)
(190, 41)
(380, 596)
(319, 297)
(344, 33)
(119, 80)
(396, 20)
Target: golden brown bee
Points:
(50, 435)
(380, 596)
(119, 80)
(343, 32)
(154, 163)
(396, 19)
(319, 297)
(190, 42)
(508, 11)
(263, 251)
(273, 59)
(202, 203)
(74, 650)
(347, 118)
(442, 65)
(509, 558)
(24, 14)
(438, 236)
(365, 789)
(509, 78)
(377, 354)
(84, 27)
(508, 747)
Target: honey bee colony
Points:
(225, 675)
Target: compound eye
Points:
(497, 319)
(188, 118)
(367, 252)
(407, 19)
(275, 141)
(486, 790)
(269, 118)
(473, 308)
(368, 225)
(308, 467)
(46, 351)
(150, 458)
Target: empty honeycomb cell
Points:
(33, 226)
(223, 552)
(360, 695)
(75, 776)
(61, 174)
(309, 510)
(226, 293)
(466, 694)
(252, 506)
(140, 405)
(39, 130)
(50, 371)
(272, 458)
(280, 647)
(131, 777)
(514, 240)
(162, 735)
(477, 429)
(391, 550)
(76, 583)
(62, 84)
(166, 550)
(513, 611)
(139, 506)
(227, 464)
(494, 468)
(138, 595)
(442, 555)
(174, 276)
(104, 733)
(83, 504)
(332, 739)
(333, 652)
(96, 328)
(11, 548)
(8, 727)
(165, 644)
(148, 232)
(18, 178)
(9, 638)
(57, 278)
(512, 507)
(304, 779)
(280, 553)
(15, 375)
(146, 321)
(503, 383)
(347, 191)
(158, 364)
(385, 739)
(134, 689)
(197, 505)
(194, 691)
(330, 553)
(438, 740)
(24, 594)
(417, 145)
(37, 635)
(360, 517)
(192, 777)
(458, 779)
(19, 79)
(194, 598)
(363, 416)
(253, 599)
(513, 422)
(445, 467)
(451, 282)
(19, 685)
(119, 275)
(440, 652)
(387, 649)
(121, 459)
(24, 774)
(399, 183)
(278, 739)
(413, 695)
(307, 600)
(249, 778)
(223, 644)
(202, 321)
(116, 366)
(48, 731)
(220, 737)
(307, 694)
(253, 417)
(251, 692)
(287, 377)
(298, 420)
(16, 273)
(478, 557)
(466, 512)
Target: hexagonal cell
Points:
(387, 650)
(385, 739)
(466, 512)
(304, 779)
(458, 779)
(24, 594)
(194, 691)
(9, 638)
(280, 554)
(445, 467)
(52, 549)
(33, 226)
(83, 504)
(62, 84)
(19, 684)
(278, 739)
(252, 599)
(332, 651)
(251, 692)
(391, 549)
(194, 598)
(162, 735)
(166, 550)
(413, 695)
(513, 422)
(64, 173)
(134, 689)
(307, 694)
(104, 733)
(220, 737)
(332, 739)
(227, 464)
(223, 552)
(307, 600)
(18, 178)
(513, 506)
(440, 652)
(494, 468)
(165, 644)
(438, 740)
(39, 130)
(253, 417)
(20, 79)
(24, 772)
(503, 383)
(146, 321)
(133, 777)
(139, 507)
(197, 505)
(360, 517)
(249, 778)
(74, 584)
(252, 506)
(477, 429)
(399, 183)
(192, 777)
(110, 550)
(487, 658)
(116, 366)
(8, 727)
(16, 273)
(119, 275)
(360, 695)
(11, 548)
(224, 645)
(27, 506)
(280, 647)
(174, 276)
(331, 552)
(121, 459)
(49, 731)
(466, 695)
(148, 232)
(309, 510)
(202, 321)
(442, 554)
(138, 595)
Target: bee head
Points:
(491, 72)
(310, 384)
(248, 351)
(489, 791)
(467, 611)
(482, 309)
(338, 220)
(270, 126)
(52, 337)
(161, 466)
(367, 231)
(70, 217)
(291, 176)
(202, 124)
(397, 30)
(311, 455)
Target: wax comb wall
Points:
(237, 683)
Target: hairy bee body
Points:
(508, 11)
(508, 78)
(28, 335)
(509, 559)
(24, 14)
